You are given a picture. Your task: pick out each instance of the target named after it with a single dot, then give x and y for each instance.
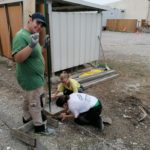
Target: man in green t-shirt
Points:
(30, 68)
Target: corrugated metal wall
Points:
(74, 38)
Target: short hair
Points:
(62, 100)
(64, 74)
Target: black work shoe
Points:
(43, 131)
(26, 121)
(101, 125)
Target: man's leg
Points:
(36, 104)
(81, 120)
(35, 107)
(26, 114)
(93, 116)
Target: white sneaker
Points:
(48, 131)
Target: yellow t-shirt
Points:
(74, 86)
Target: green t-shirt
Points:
(29, 73)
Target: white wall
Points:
(74, 39)
(134, 9)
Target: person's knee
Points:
(78, 121)
(81, 121)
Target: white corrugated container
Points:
(74, 38)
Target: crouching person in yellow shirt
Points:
(67, 85)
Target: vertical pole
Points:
(49, 63)
(148, 13)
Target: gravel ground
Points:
(127, 53)
(127, 47)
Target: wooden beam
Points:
(26, 127)
(33, 143)
(52, 122)
(95, 76)
(9, 1)
(40, 146)
(74, 8)
(1, 52)
(24, 137)
(54, 114)
(88, 84)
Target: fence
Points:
(11, 20)
(122, 25)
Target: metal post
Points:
(49, 63)
(148, 13)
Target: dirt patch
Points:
(121, 99)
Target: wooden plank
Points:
(26, 127)
(40, 146)
(15, 15)
(54, 110)
(28, 139)
(122, 25)
(40, 8)
(52, 122)
(95, 76)
(4, 33)
(29, 126)
(1, 52)
(88, 84)
(9, 1)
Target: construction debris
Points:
(22, 133)
(97, 78)
(142, 115)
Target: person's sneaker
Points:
(48, 131)
(101, 125)
(43, 131)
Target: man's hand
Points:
(46, 41)
(63, 116)
(34, 40)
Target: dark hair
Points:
(64, 74)
(39, 17)
(62, 100)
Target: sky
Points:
(102, 2)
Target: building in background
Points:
(134, 9)
(112, 13)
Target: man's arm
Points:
(65, 116)
(46, 44)
(44, 51)
(23, 54)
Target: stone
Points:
(107, 120)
